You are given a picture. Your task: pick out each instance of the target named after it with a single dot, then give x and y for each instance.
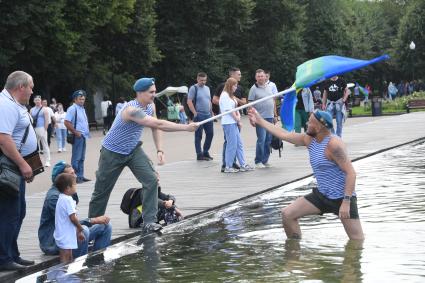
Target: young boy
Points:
(67, 226)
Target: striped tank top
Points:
(330, 178)
(124, 135)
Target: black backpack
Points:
(276, 144)
(132, 198)
(186, 107)
(110, 111)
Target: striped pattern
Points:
(123, 136)
(330, 178)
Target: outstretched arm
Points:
(294, 138)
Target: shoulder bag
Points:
(70, 137)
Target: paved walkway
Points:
(200, 185)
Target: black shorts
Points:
(326, 205)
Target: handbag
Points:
(70, 137)
(34, 161)
(10, 175)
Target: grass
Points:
(397, 105)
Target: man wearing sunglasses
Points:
(333, 170)
(122, 147)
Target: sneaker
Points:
(231, 170)
(208, 157)
(63, 149)
(246, 167)
(202, 158)
(60, 150)
(222, 168)
(236, 166)
(267, 165)
(151, 228)
(47, 164)
(259, 165)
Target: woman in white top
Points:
(60, 127)
(231, 124)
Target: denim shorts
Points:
(326, 205)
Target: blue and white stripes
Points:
(124, 135)
(330, 178)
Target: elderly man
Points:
(122, 147)
(14, 123)
(98, 229)
(76, 122)
(333, 170)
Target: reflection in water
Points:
(246, 242)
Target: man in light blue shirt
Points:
(14, 123)
(76, 122)
(199, 103)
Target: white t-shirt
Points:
(60, 120)
(65, 231)
(226, 104)
(51, 113)
(104, 107)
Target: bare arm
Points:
(70, 127)
(74, 220)
(191, 107)
(215, 100)
(294, 138)
(157, 139)
(46, 118)
(8, 147)
(135, 115)
(337, 152)
(324, 99)
(241, 101)
(346, 93)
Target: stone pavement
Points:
(199, 185)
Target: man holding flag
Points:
(332, 168)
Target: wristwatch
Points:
(347, 198)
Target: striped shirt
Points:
(124, 135)
(330, 178)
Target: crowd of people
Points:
(62, 233)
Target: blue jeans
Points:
(12, 214)
(339, 117)
(264, 139)
(234, 147)
(78, 156)
(60, 138)
(209, 133)
(99, 233)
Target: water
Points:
(246, 242)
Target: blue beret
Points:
(79, 93)
(325, 118)
(58, 169)
(143, 84)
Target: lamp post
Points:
(412, 47)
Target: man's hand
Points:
(344, 210)
(323, 107)
(192, 127)
(253, 116)
(80, 236)
(100, 220)
(26, 172)
(161, 157)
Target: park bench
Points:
(415, 104)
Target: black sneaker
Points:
(208, 157)
(151, 228)
(236, 166)
(202, 158)
(222, 168)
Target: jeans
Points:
(111, 165)
(234, 147)
(209, 133)
(60, 138)
(223, 156)
(99, 233)
(264, 139)
(12, 214)
(337, 113)
(78, 156)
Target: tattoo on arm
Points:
(137, 113)
(339, 154)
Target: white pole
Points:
(247, 105)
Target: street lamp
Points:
(412, 47)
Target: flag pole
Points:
(246, 105)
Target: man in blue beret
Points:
(122, 148)
(77, 123)
(333, 170)
(98, 230)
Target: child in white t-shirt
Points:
(67, 226)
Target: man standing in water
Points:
(333, 170)
(122, 147)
